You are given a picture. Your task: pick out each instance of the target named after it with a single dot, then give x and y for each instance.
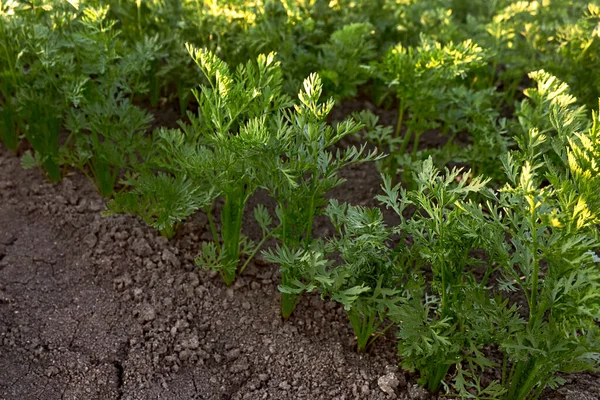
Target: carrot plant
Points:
(357, 269)
(550, 212)
(303, 268)
(368, 281)
(553, 264)
(310, 166)
(435, 332)
(234, 127)
(421, 79)
(109, 137)
(229, 144)
(72, 73)
(50, 81)
(106, 131)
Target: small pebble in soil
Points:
(365, 389)
(233, 354)
(416, 392)
(141, 248)
(192, 343)
(146, 313)
(171, 258)
(388, 383)
(90, 240)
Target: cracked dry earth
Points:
(95, 307)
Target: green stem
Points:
(488, 272)
(533, 378)
(10, 65)
(504, 367)
(231, 229)
(514, 377)
(288, 302)
(251, 256)
(284, 238)
(416, 144)
(168, 231)
(213, 229)
(52, 169)
(381, 332)
(512, 90)
(536, 272)
(183, 95)
(434, 381)
(361, 327)
(155, 88)
(366, 328)
(400, 118)
(538, 392)
(392, 165)
(449, 142)
(10, 137)
(405, 141)
(524, 388)
(444, 300)
(440, 230)
(494, 66)
(311, 217)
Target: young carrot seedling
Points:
(309, 168)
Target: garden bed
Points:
(96, 307)
(234, 199)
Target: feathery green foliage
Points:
(493, 170)
(309, 168)
(544, 211)
(435, 332)
(367, 281)
(422, 78)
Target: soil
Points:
(95, 307)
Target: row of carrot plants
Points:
(491, 266)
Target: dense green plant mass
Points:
(554, 234)
(366, 281)
(420, 78)
(245, 136)
(225, 150)
(482, 117)
(65, 69)
(451, 322)
(365, 278)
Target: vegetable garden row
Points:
(496, 248)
